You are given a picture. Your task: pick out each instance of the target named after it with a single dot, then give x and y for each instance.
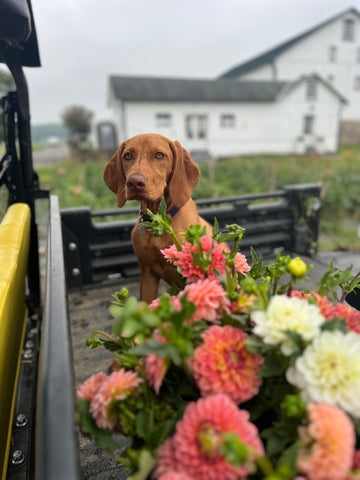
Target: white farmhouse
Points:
(331, 50)
(228, 117)
(290, 99)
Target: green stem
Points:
(265, 465)
(106, 335)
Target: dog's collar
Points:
(146, 218)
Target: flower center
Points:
(210, 441)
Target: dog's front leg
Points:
(149, 284)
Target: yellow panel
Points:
(14, 251)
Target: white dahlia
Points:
(329, 371)
(287, 313)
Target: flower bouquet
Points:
(233, 375)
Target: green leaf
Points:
(159, 434)
(289, 456)
(335, 324)
(161, 349)
(146, 464)
(142, 424)
(273, 366)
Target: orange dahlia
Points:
(222, 364)
(328, 443)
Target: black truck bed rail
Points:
(274, 221)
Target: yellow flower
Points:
(297, 267)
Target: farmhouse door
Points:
(196, 130)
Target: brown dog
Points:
(146, 168)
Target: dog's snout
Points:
(136, 182)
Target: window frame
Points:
(349, 30)
(311, 89)
(308, 124)
(163, 120)
(227, 120)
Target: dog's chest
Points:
(147, 247)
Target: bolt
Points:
(21, 420)
(72, 246)
(28, 354)
(75, 272)
(32, 332)
(29, 344)
(17, 457)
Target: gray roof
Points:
(182, 90)
(271, 54)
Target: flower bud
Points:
(297, 267)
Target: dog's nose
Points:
(136, 181)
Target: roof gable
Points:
(162, 89)
(269, 55)
(193, 90)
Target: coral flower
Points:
(116, 386)
(91, 386)
(209, 298)
(155, 367)
(222, 364)
(155, 371)
(176, 476)
(240, 263)
(195, 448)
(329, 371)
(328, 443)
(349, 314)
(185, 261)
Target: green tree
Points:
(77, 120)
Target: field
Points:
(80, 183)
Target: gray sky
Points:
(82, 42)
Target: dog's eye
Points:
(159, 155)
(128, 156)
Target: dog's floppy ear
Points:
(114, 176)
(184, 176)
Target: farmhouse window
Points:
(163, 120)
(196, 126)
(311, 89)
(349, 28)
(332, 54)
(227, 121)
(308, 124)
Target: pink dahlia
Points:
(90, 387)
(206, 243)
(115, 387)
(328, 443)
(156, 367)
(175, 476)
(222, 364)
(240, 263)
(209, 298)
(184, 260)
(195, 448)
(349, 314)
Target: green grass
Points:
(79, 184)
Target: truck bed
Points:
(88, 311)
